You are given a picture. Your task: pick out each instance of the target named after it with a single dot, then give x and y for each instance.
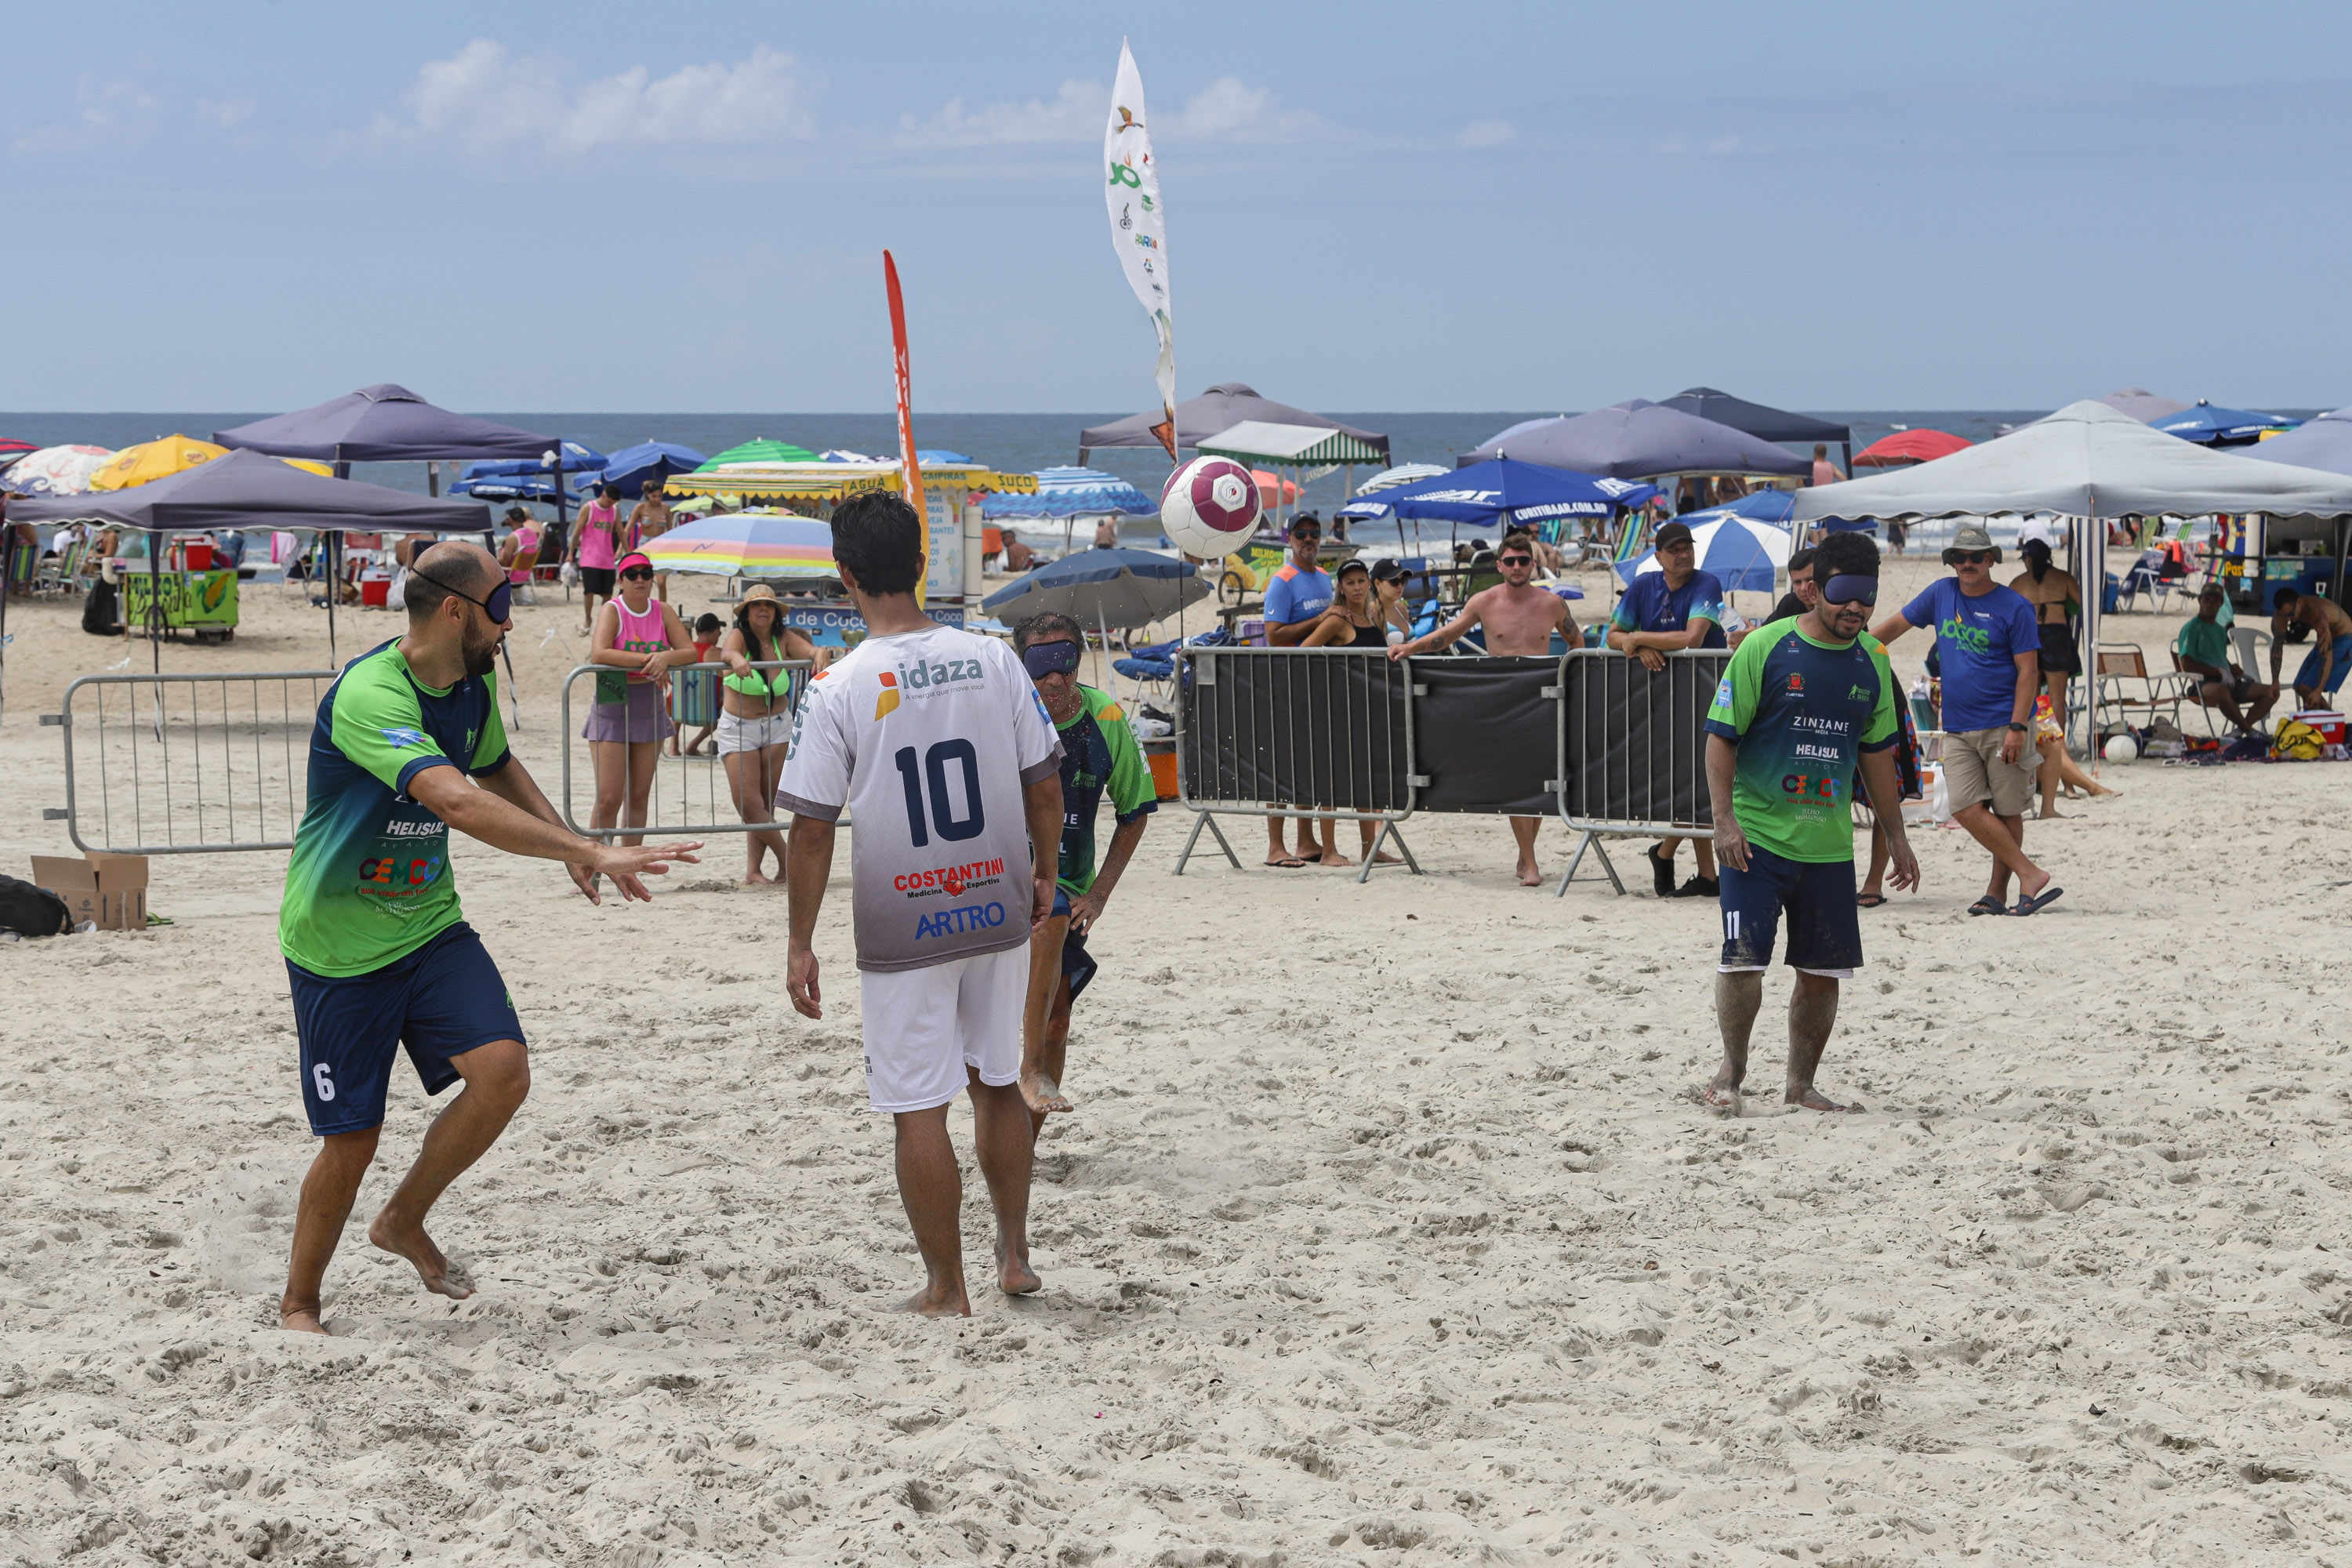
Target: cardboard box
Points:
(110, 889)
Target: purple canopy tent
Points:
(1213, 413)
(1638, 439)
(246, 490)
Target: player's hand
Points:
(1731, 845)
(584, 878)
(1041, 900)
(1653, 661)
(800, 982)
(2012, 746)
(1084, 911)
(628, 868)
(1905, 864)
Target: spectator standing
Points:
(2055, 597)
(698, 690)
(600, 544)
(1295, 597)
(2204, 648)
(1989, 650)
(1676, 608)
(1356, 619)
(1802, 593)
(641, 640)
(755, 718)
(519, 552)
(2330, 659)
(1107, 534)
(1824, 471)
(650, 519)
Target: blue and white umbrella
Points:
(577, 460)
(2211, 426)
(1403, 474)
(1072, 492)
(1742, 553)
(1102, 588)
(631, 466)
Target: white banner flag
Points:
(1138, 225)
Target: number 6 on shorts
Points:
(322, 1082)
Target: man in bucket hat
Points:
(1990, 651)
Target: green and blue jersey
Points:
(1802, 713)
(1098, 754)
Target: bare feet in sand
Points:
(1333, 858)
(1528, 876)
(1814, 1100)
(300, 1320)
(1014, 1275)
(412, 1243)
(1718, 1095)
(927, 1302)
(1042, 1094)
(758, 879)
(1385, 859)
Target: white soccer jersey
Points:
(929, 738)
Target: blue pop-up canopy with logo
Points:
(1501, 493)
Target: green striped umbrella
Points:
(763, 450)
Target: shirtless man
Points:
(2049, 591)
(2330, 657)
(650, 519)
(1519, 620)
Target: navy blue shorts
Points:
(1824, 922)
(1078, 965)
(441, 1001)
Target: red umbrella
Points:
(1908, 447)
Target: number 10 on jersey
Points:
(929, 775)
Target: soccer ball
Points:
(1209, 507)
(2122, 749)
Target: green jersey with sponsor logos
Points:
(369, 879)
(1802, 713)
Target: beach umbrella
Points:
(2324, 443)
(772, 545)
(1403, 474)
(1273, 491)
(12, 450)
(1742, 553)
(628, 469)
(1760, 420)
(1908, 447)
(1102, 588)
(55, 470)
(1638, 439)
(1072, 492)
(2211, 426)
(1501, 493)
(577, 460)
(159, 460)
(514, 487)
(763, 450)
(2142, 404)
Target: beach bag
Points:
(29, 910)
(2297, 741)
(102, 611)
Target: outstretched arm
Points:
(512, 814)
(1888, 630)
(1446, 636)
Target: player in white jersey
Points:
(936, 743)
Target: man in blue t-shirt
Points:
(1988, 647)
(1676, 606)
(1295, 597)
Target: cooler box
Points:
(2329, 723)
(375, 589)
(1161, 756)
(198, 554)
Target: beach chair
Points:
(2125, 686)
(526, 563)
(2145, 577)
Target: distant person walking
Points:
(599, 545)
(1824, 471)
(936, 742)
(1805, 708)
(1989, 650)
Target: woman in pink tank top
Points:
(600, 538)
(640, 639)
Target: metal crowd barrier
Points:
(1321, 733)
(187, 764)
(688, 794)
(1633, 750)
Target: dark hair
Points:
(2037, 557)
(878, 540)
(1046, 624)
(2285, 596)
(775, 651)
(458, 564)
(1799, 560)
(1519, 536)
(1845, 554)
(1820, 450)
(707, 622)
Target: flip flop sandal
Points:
(2042, 899)
(1288, 863)
(1869, 900)
(1988, 905)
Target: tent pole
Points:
(7, 576)
(334, 552)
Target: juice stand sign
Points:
(188, 598)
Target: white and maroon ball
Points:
(1209, 507)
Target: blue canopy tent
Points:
(2211, 426)
(1638, 439)
(2324, 443)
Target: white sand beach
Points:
(1384, 1231)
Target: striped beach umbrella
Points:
(1072, 492)
(763, 450)
(773, 545)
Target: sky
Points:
(599, 206)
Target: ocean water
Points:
(1019, 442)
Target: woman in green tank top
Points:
(756, 717)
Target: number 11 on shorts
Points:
(1731, 925)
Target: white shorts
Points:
(739, 734)
(924, 1027)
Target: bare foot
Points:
(1333, 858)
(1812, 1099)
(1014, 1275)
(1528, 876)
(1385, 859)
(418, 1248)
(757, 880)
(929, 1303)
(1042, 1094)
(1720, 1096)
(2052, 814)
(301, 1320)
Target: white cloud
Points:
(226, 113)
(111, 113)
(1227, 110)
(1485, 134)
(484, 96)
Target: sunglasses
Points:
(499, 606)
(1972, 557)
(1515, 559)
(638, 575)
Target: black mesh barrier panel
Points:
(1294, 727)
(1486, 736)
(1636, 742)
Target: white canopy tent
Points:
(2090, 463)
(1309, 451)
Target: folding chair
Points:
(2126, 686)
(526, 563)
(2193, 686)
(2141, 578)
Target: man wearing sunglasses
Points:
(1099, 754)
(1804, 707)
(378, 954)
(1295, 597)
(1990, 651)
(1676, 608)
(1518, 620)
